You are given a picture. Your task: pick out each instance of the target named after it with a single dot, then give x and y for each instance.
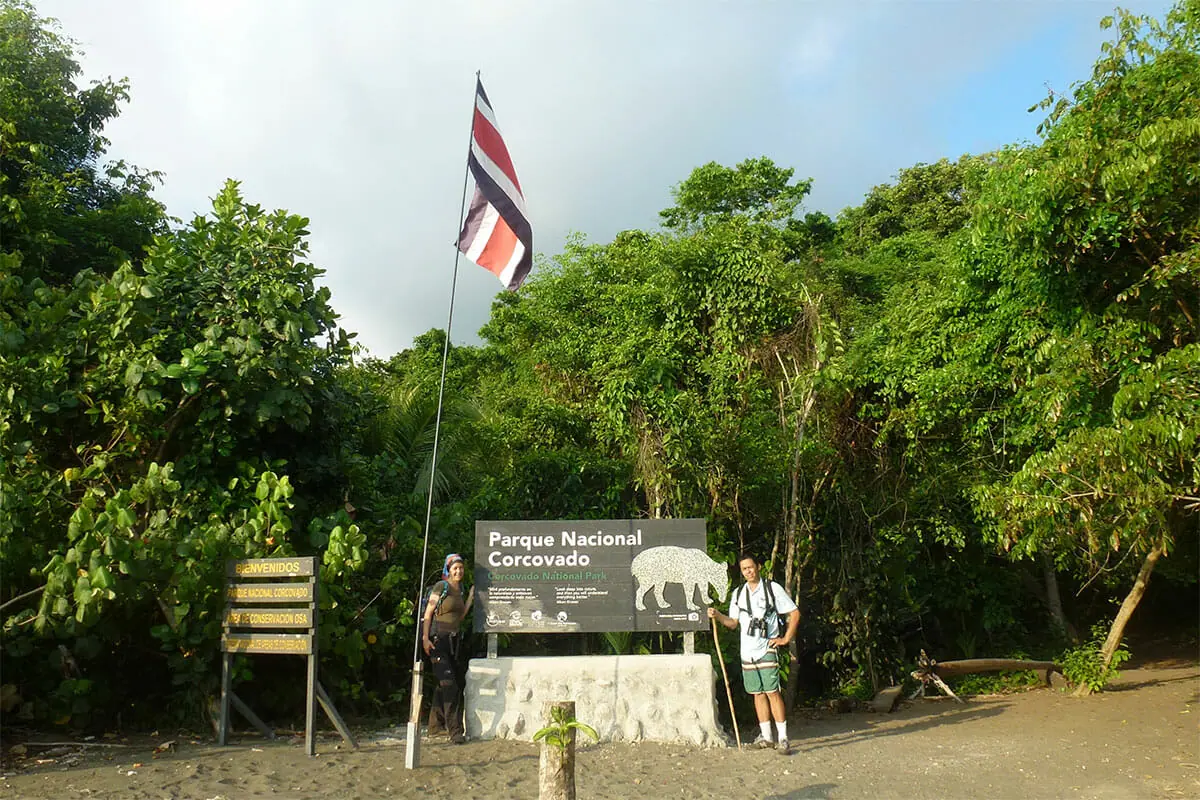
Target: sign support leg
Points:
(246, 712)
(225, 669)
(310, 743)
(334, 716)
(310, 729)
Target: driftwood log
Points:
(930, 671)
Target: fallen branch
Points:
(930, 671)
(950, 669)
(20, 597)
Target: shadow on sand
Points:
(818, 791)
(879, 727)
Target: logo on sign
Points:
(562, 616)
(536, 615)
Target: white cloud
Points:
(815, 49)
(356, 114)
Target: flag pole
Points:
(412, 754)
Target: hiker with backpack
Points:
(757, 607)
(441, 640)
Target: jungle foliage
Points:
(963, 416)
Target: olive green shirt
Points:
(451, 609)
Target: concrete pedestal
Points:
(663, 698)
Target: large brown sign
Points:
(594, 576)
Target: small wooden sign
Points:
(290, 643)
(271, 567)
(291, 604)
(269, 592)
(269, 617)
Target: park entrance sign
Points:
(594, 576)
(271, 609)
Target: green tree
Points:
(756, 189)
(1042, 373)
(145, 416)
(1097, 232)
(62, 209)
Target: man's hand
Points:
(790, 633)
(727, 622)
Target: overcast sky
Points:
(356, 113)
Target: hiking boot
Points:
(784, 748)
(763, 743)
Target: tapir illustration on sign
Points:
(655, 567)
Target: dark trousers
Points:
(444, 660)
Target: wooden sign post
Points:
(264, 595)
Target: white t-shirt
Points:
(755, 647)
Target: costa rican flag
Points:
(496, 234)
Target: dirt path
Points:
(1137, 740)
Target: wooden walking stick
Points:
(728, 691)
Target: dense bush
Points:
(961, 417)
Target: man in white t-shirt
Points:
(757, 607)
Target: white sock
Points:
(782, 728)
(766, 730)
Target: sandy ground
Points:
(1140, 739)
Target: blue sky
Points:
(356, 114)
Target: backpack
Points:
(420, 614)
(427, 594)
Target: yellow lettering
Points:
(278, 645)
(294, 591)
(267, 568)
(266, 618)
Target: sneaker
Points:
(763, 743)
(784, 748)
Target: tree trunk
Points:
(793, 681)
(556, 767)
(795, 420)
(791, 571)
(1117, 631)
(1054, 599)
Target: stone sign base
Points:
(663, 698)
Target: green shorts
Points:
(761, 676)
